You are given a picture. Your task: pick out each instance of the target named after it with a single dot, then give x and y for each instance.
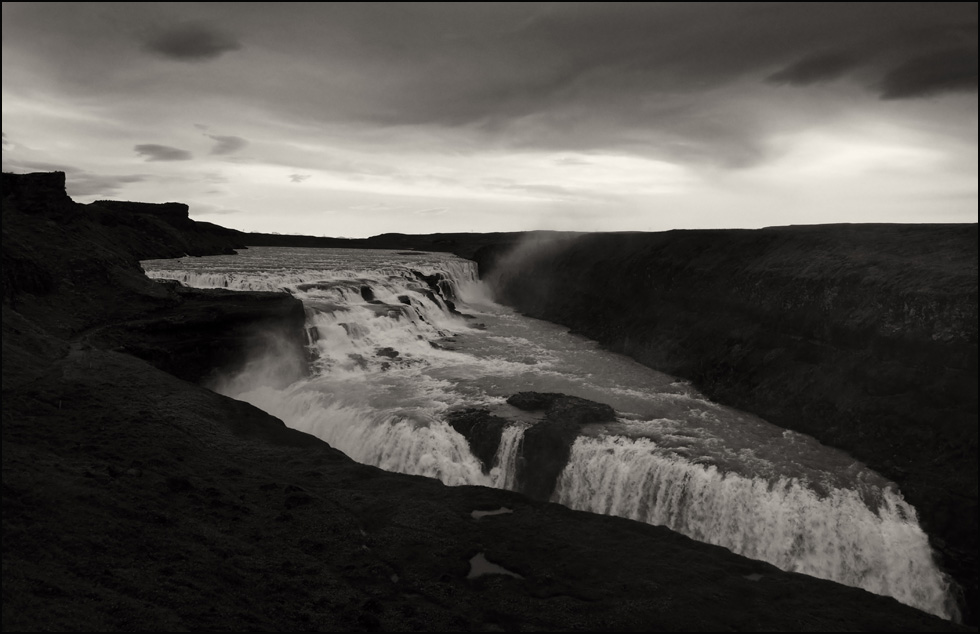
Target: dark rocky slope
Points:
(863, 336)
(136, 500)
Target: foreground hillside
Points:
(133, 499)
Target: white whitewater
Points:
(392, 355)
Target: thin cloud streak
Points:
(227, 144)
(815, 68)
(155, 152)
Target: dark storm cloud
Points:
(814, 69)
(190, 42)
(227, 144)
(154, 152)
(675, 81)
(953, 70)
(654, 78)
(914, 54)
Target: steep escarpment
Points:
(75, 270)
(53, 245)
(863, 336)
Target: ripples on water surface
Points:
(392, 358)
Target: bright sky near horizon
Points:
(356, 119)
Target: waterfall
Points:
(504, 473)
(399, 340)
(833, 535)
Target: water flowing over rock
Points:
(483, 432)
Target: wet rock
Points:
(482, 431)
(441, 287)
(213, 332)
(547, 445)
(579, 411)
(312, 334)
(432, 297)
(358, 359)
(391, 311)
(431, 280)
(531, 401)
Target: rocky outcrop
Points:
(548, 443)
(41, 192)
(105, 243)
(862, 336)
(76, 269)
(174, 213)
(207, 334)
(482, 431)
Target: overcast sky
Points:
(358, 119)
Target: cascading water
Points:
(402, 339)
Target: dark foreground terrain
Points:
(134, 499)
